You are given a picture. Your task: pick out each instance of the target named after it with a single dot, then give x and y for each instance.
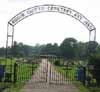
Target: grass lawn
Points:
(80, 86)
(69, 73)
(23, 71)
(94, 89)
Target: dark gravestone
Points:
(1, 72)
(81, 74)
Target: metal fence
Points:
(47, 69)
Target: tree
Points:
(94, 61)
(86, 49)
(15, 50)
(92, 47)
(82, 51)
(2, 52)
(68, 48)
(98, 49)
(55, 49)
(52, 49)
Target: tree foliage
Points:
(51, 49)
(94, 61)
(70, 48)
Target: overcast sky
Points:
(48, 27)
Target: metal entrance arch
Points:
(48, 8)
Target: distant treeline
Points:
(70, 48)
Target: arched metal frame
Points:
(47, 8)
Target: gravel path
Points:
(40, 80)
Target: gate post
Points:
(15, 72)
(48, 75)
(84, 76)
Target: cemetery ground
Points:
(24, 74)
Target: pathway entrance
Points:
(44, 87)
(47, 79)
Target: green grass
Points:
(80, 86)
(7, 62)
(69, 73)
(94, 89)
(24, 73)
(14, 88)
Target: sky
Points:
(49, 27)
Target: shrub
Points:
(94, 60)
(57, 63)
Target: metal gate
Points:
(50, 72)
(38, 69)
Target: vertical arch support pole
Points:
(92, 42)
(92, 35)
(10, 39)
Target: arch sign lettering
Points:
(48, 8)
